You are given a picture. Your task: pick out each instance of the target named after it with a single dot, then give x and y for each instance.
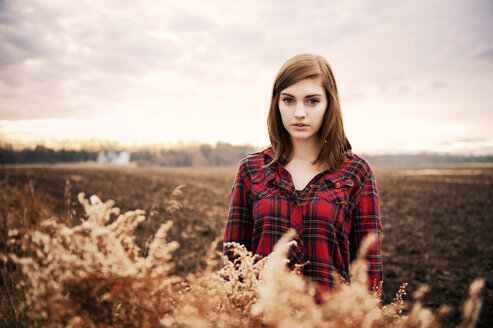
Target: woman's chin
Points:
(302, 137)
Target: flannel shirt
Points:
(331, 216)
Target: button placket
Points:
(296, 219)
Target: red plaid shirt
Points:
(331, 216)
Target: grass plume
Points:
(94, 275)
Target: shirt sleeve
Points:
(239, 225)
(366, 220)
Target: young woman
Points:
(307, 179)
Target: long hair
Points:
(333, 140)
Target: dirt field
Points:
(437, 220)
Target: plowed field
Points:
(437, 220)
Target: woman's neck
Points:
(305, 149)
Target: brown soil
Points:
(436, 220)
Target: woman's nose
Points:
(300, 111)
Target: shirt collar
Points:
(270, 153)
(337, 178)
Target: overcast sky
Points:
(412, 75)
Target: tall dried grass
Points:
(20, 208)
(94, 275)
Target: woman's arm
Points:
(239, 226)
(365, 221)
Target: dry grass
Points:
(94, 275)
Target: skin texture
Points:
(304, 102)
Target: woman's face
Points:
(302, 106)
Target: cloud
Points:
(437, 85)
(483, 51)
(93, 59)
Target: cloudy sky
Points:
(413, 75)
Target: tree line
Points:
(220, 154)
(42, 154)
(426, 158)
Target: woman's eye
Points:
(313, 101)
(288, 100)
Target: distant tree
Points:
(41, 154)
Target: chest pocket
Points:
(270, 210)
(337, 192)
(334, 206)
(263, 186)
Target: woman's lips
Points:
(300, 126)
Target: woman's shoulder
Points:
(356, 168)
(357, 161)
(254, 163)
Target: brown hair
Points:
(332, 137)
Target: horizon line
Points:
(98, 145)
